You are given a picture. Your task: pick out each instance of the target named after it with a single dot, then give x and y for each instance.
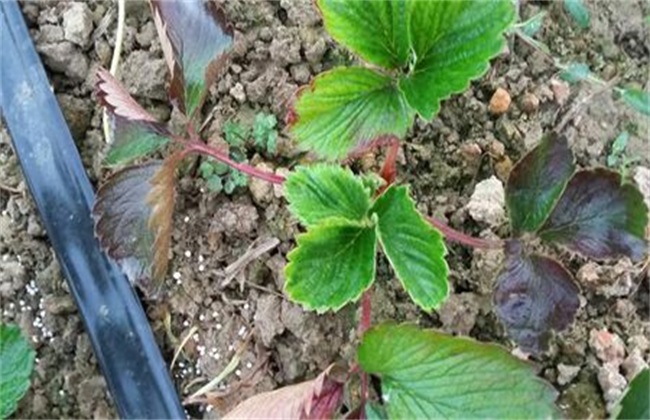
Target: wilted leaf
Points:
(318, 398)
(333, 264)
(132, 214)
(578, 12)
(427, 374)
(635, 404)
(536, 182)
(344, 107)
(637, 99)
(534, 295)
(575, 72)
(453, 42)
(135, 132)
(16, 364)
(415, 249)
(599, 216)
(316, 193)
(194, 36)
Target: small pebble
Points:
(500, 102)
(530, 103)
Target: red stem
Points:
(223, 157)
(455, 236)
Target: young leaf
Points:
(578, 12)
(426, 374)
(194, 36)
(534, 295)
(536, 182)
(318, 398)
(415, 249)
(453, 42)
(599, 216)
(575, 72)
(375, 30)
(532, 25)
(618, 148)
(635, 402)
(136, 133)
(318, 192)
(637, 99)
(16, 365)
(132, 214)
(333, 264)
(344, 107)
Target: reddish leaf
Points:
(318, 398)
(133, 220)
(536, 183)
(135, 132)
(599, 216)
(534, 295)
(194, 36)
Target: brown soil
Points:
(279, 46)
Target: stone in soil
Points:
(500, 102)
(78, 23)
(487, 202)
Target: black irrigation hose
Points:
(116, 324)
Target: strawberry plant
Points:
(418, 53)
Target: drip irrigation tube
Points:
(116, 324)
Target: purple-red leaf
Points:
(599, 216)
(194, 36)
(534, 295)
(536, 183)
(133, 218)
(318, 398)
(135, 132)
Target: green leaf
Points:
(135, 133)
(453, 41)
(235, 134)
(16, 364)
(532, 25)
(333, 264)
(599, 216)
(536, 182)
(618, 148)
(133, 139)
(319, 192)
(214, 184)
(578, 12)
(637, 99)
(575, 72)
(194, 37)
(375, 30)
(415, 249)
(427, 374)
(347, 106)
(635, 403)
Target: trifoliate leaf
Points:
(453, 41)
(637, 99)
(194, 37)
(635, 403)
(578, 11)
(135, 133)
(318, 192)
(415, 249)
(599, 216)
(536, 182)
(319, 398)
(534, 295)
(427, 374)
(348, 106)
(16, 364)
(133, 220)
(333, 264)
